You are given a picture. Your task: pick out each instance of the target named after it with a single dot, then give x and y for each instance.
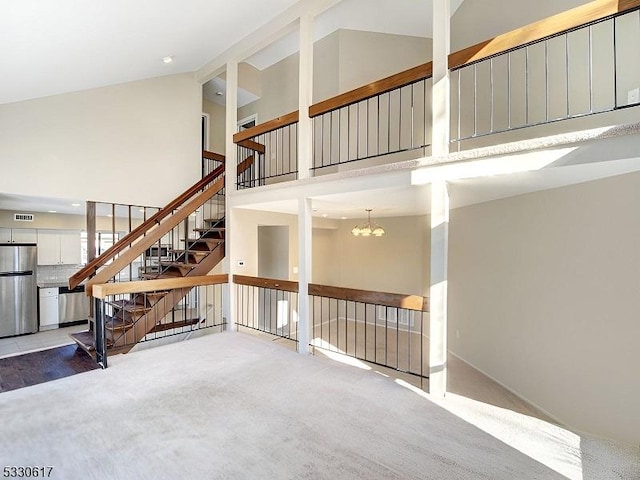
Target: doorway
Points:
(273, 251)
(248, 122)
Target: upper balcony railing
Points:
(574, 64)
(268, 153)
(578, 63)
(389, 116)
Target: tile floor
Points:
(38, 341)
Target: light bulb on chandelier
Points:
(368, 229)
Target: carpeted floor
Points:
(232, 406)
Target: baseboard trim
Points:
(517, 394)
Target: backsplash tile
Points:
(56, 273)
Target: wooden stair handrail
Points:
(251, 145)
(397, 300)
(151, 237)
(213, 156)
(91, 267)
(271, 125)
(103, 290)
(245, 164)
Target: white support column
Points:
(439, 201)
(231, 125)
(440, 110)
(304, 273)
(438, 289)
(305, 95)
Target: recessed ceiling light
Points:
(343, 218)
(53, 211)
(219, 93)
(75, 204)
(167, 59)
(325, 215)
(314, 209)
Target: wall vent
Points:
(23, 217)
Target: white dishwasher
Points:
(49, 316)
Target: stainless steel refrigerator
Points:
(18, 289)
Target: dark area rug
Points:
(39, 367)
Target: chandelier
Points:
(368, 228)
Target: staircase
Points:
(129, 319)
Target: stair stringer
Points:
(164, 305)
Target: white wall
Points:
(478, 20)
(397, 262)
(543, 292)
(368, 56)
(217, 125)
(135, 143)
(324, 250)
(279, 87)
(244, 230)
(273, 251)
(344, 60)
(392, 263)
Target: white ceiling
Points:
(68, 45)
(53, 47)
(414, 200)
(66, 206)
(24, 204)
(399, 17)
(214, 90)
(61, 46)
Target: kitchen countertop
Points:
(52, 284)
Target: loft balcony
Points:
(569, 73)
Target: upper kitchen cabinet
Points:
(18, 235)
(58, 247)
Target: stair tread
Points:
(202, 240)
(141, 297)
(128, 306)
(113, 323)
(156, 276)
(190, 252)
(179, 264)
(85, 340)
(213, 229)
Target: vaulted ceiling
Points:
(53, 47)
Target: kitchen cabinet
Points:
(58, 247)
(18, 235)
(49, 315)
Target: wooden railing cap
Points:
(397, 300)
(103, 290)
